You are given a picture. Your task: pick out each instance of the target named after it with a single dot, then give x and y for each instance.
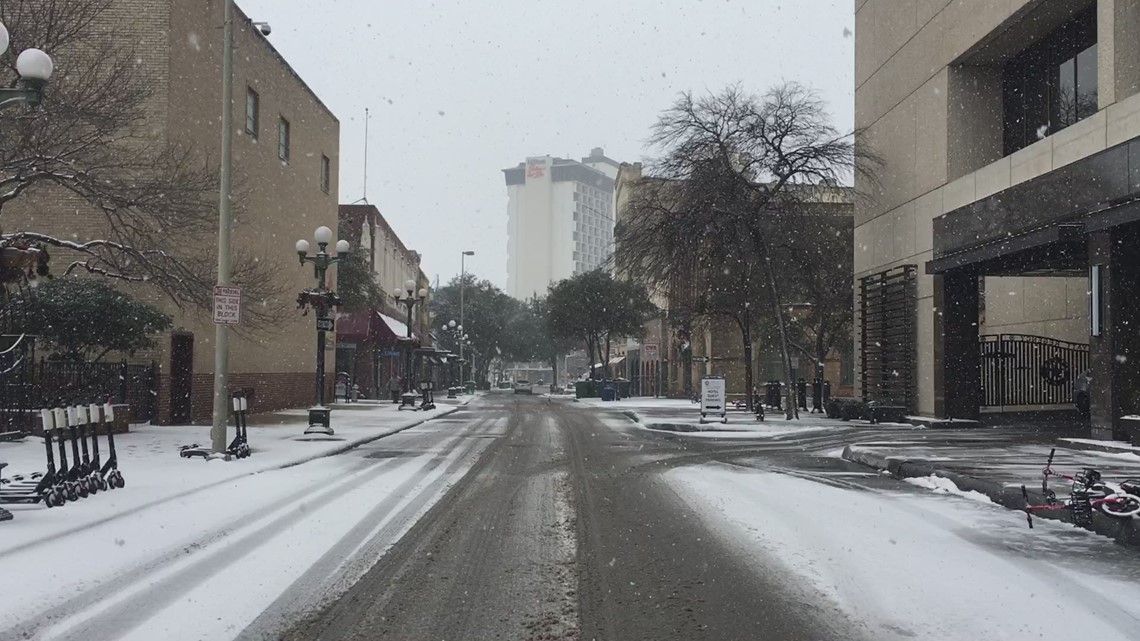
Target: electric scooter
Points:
(239, 447)
(110, 471)
(40, 486)
(78, 471)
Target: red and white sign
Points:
(227, 305)
(649, 351)
(535, 167)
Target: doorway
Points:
(181, 377)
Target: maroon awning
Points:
(369, 326)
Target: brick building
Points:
(372, 343)
(285, 160)
(656, 364)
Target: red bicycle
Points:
(1089, 491)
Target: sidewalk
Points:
(683, 416)
(998, 468)
(155, 473)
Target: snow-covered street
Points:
(910, 564)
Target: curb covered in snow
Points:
(1123, 531)
(1111, 447)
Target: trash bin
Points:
(470, 387)
(609, 392)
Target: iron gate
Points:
(1024, 370)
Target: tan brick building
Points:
(286, 156)
(1009, 134)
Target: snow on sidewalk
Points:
(154, 472)
(256, 550)
(684, 418)
(920, 566)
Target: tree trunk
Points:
(554, 370)
(746, 335)
(792, 410)
(606, 360)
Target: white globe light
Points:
(33, 64)
(3, 38)
(302, 246)
(397, 293)
(423, 293)
(323, 235)
(410, 285)
(451, 324)
(459, 327)
(342, 246)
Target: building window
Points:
(283, 140)
(324, 173)
(1052, 84)
(252, 102)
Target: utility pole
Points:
(462, 288)
(221, 332)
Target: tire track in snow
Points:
(111, 621)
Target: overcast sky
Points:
(461, 89)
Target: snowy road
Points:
(531, 518)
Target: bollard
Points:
(816, 396)
(801, 389)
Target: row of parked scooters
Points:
(86, 473)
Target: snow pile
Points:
(906, 566)
(943, 485)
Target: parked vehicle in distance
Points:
(540, 382)
(523, 387)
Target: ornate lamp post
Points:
(323, 300)
(459, 338)
(33, 67)
(408, 296)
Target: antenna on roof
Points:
(364, 198)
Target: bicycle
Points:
(1089, 492)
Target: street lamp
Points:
(33, 67)
(462, 288)
(408, 296)
(322, 299)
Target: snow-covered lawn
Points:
(187, 537)
(907, 565)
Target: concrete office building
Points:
(996, 257)
(560, 220)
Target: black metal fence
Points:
(68, 381)
(1025, 370)
(17, 390)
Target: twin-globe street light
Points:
(33, 67)
(323, 300)
(460, 339)
(408, 296)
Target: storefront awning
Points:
(371, 326)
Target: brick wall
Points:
(272, 391)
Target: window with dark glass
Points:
(251, 109)
(324, 173)
(1052, 84)
(283, 140)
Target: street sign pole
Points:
(222, 332)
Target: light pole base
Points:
(319, 421)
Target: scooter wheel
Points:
(72, 495)
(102, 483)
(117, 480)
(92, 485)
(49, 499)
(83, 491)
(1126, 507)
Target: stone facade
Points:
(929, 99)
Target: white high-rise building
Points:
(560, 220)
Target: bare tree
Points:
(730, 188)
(92, 142)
